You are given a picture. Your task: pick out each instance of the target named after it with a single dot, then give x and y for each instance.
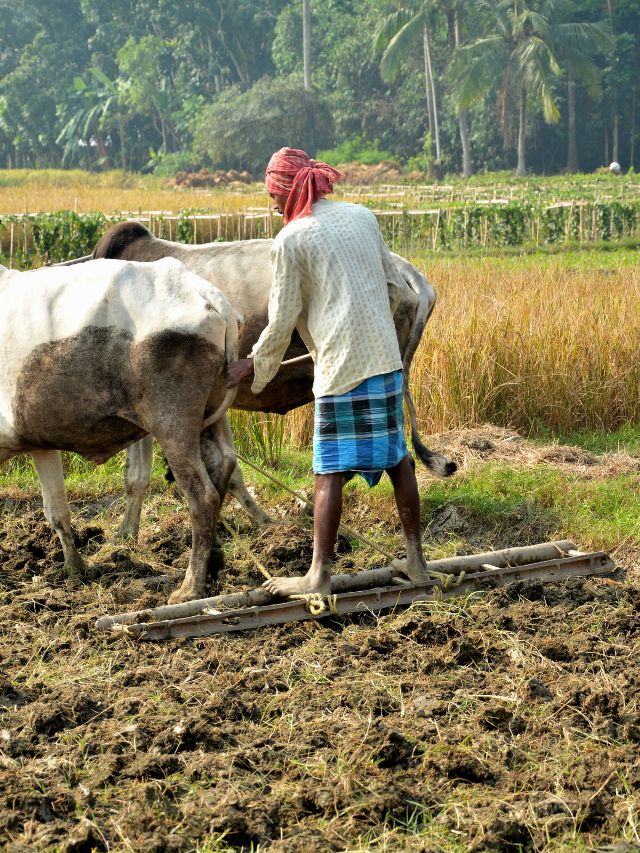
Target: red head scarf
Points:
(293, 173)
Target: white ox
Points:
(242, 270)
(95, 357)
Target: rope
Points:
(316, 604)
(345, 529)
(244, 547)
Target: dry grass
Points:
(125, 200)
(526, 346)
(26, 191)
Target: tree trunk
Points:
(572, 155)
(606, 147)
(428, 89)
(306, 42)
(521, 171)
(432, 86)
(632, 141)
(123, 154)
(306, 52)
(463, 121)
(616, 138)
(102, 151)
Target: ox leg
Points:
(220, 461)
(137, 477)
(56, 509)
(204, 505)
(237, 486)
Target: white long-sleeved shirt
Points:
(335, 281)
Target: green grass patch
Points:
(83, 479)
(598, 513)
(595, 512)
(626, 439)
(615, 254)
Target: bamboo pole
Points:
(346, 583)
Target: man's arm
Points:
(285, 305)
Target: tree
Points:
(242, 129)
(97, 110)
(43, 47)
(575, 45)
(393, 38)
(453, 9)
(147, 68)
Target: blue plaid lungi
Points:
(361, 431)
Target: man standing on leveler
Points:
(335, 281)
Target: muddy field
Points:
(507, 721)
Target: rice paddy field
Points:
(502, 721)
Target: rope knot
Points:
(315, 603)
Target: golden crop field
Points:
(22, 191)
(532, 342)
(42, 191)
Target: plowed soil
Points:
(505, 721)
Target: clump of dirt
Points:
(387, 171)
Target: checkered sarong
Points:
(361, 431)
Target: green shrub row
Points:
(513, 224)
(28, 240)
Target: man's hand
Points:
(238, 371)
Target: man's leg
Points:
(405, 487)
(326, 520)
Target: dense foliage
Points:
(545, 85)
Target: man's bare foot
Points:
(313, 581)
(414, 568)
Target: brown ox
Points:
(97, 356)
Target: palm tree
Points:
(453, 10)
(575, 46)
(393, 39)
(306, 56)
(523, 54)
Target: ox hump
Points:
(119, 241)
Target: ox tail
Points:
(435, 462)
(230, 354)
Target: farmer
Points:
(335, 281)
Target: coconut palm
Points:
(394, 38)
(575, 46)
(524, 54)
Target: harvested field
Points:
(504, 722)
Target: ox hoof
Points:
(184, 594)
(74, 567)
(215, 563)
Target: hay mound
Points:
(207, 178)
